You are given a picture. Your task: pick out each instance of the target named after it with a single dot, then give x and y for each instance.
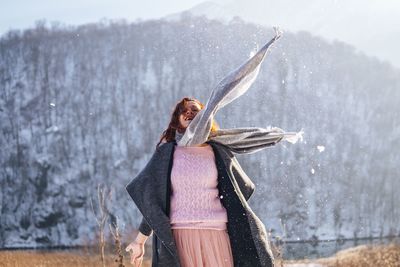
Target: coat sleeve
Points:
(252, 139)
(144, 228)
(228, 89)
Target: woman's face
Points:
(191, 110)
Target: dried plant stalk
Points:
(103, 194)
(117, 240)
(278, 248)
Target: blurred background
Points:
(87, 87)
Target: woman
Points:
(193, 193)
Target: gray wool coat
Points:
(150, 190)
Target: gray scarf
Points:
(240, 140)
(178, 136)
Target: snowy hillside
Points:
(86, 105)
(373, 27)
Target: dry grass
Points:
(23, 258)
(360, 256)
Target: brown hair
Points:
(174, 125)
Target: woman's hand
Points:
(136, 250)
(278, 33)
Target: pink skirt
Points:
(203, 247)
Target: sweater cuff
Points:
(144, 228)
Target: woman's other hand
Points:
(136, 250)
(278, 33)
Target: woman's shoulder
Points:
(162, 142)
(221, 148)
(165, 142)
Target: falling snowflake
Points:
(254, 51)
(312, 170)
(320, 148)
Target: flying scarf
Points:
(240, 140)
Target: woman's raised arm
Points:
(252, 139)
(228, 89)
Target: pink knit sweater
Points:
(195, 202)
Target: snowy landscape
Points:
(371, 27)
(86, 105)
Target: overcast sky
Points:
(19, 14)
